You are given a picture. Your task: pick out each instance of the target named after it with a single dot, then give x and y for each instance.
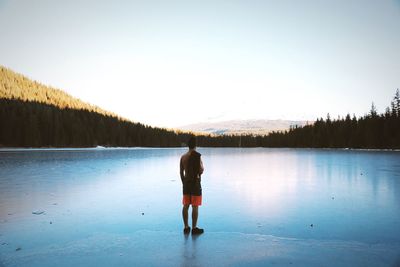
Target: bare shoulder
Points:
(184, 156)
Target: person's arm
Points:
(201, 167)
(181, 171)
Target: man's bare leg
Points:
(185, 215)
(195, 216)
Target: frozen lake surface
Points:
(122, 207)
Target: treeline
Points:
(33, 124)
(35, 115)
(380, 131)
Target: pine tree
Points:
(396, 101)
(373, 111)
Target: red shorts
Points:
(191, 200)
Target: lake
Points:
(261, 207)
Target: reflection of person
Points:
(191, 168)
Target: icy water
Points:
(261, 207)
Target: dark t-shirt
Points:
(191, 169)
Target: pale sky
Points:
(171, 63)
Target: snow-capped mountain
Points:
(243, 126)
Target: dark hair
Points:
(192, 142)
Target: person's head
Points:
(192, 142)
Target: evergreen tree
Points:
(373, 111)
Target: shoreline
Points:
(11, 149)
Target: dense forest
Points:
(34, 115)
(373, 130)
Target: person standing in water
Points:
(191, 168)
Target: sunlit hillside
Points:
(18, 87)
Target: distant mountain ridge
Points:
(236, 127)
